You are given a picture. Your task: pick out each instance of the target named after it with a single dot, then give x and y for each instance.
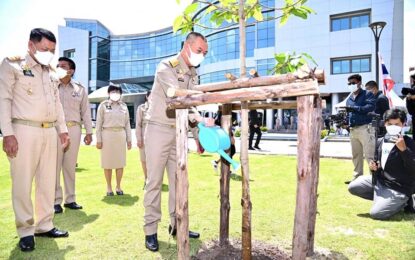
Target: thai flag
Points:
(388, 82)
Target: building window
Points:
(265, 66)
(352, 20)
(350, 64)
(69, 53)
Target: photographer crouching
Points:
(410, 98)
(362, 135)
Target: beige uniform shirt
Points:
(27, 92)
(171, 73)
(112, 115)
(141, 121)
(74, 99)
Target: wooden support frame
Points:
(309, 106)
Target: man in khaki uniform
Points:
(74, 99)
(30, 110)
(160, 133)
(140, 125)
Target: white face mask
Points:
(44, 57)
(61, 73)
(115, 96)
(393, 129)
(353, 88)
(195, 58)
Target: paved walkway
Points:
(285, 144)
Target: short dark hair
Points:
(114, 88)
(148, 93)
(194, 35)
(69, 61)
(356, 77)
(37, 34)
(395, 114)
(372, 84)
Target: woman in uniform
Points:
(113, 133)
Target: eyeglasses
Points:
(352, 83)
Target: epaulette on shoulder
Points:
(15, 58)
(174, 62)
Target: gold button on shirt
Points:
(28, 92)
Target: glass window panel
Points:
(364, 20)
(335, 25)
(344, 23)
(356, 65)
(345, 66)
(364, 65)
(336, 67)
(355, 21)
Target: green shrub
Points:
(263, 129)
(324, 133)
(238, 133)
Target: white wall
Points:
(79, 40)
(314, 37)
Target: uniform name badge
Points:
(75, 94)
(27, 71)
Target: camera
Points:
(406, 91)
(340, 119)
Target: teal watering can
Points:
(216, 140)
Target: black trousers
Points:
(413, 127)
(252, 131)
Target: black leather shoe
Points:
(257, 147)
(152, 243)
(58, 209)
(72, 205)
(54, 232)
(27, 243)
(251, 148)
(191, 233)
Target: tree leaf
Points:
(258, 14)
(210, 9)
(299, 13)
(178, 2)
(191, 8)
(177, 23)
(308, 9)
(284, 19)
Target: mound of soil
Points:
(260, 251)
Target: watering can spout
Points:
(234, 164)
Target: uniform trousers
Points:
(386, 201)
(67, 165)
(36, 159)
(362, 140)
(160, 145)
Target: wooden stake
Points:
(182, 185)
(225, 177)
(309, 125)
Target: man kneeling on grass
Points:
(393, 173)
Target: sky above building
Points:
(17, 18)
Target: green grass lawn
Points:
(111, 227)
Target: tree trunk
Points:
(306, 87)
(182, 186)
(309, 125)
(225, 178)
(246, 199)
